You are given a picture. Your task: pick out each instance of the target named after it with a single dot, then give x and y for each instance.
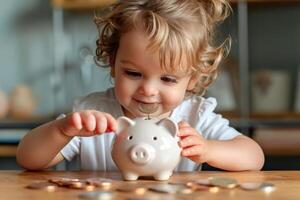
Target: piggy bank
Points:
(146, 147)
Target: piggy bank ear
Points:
(169, 125)
(123, 123)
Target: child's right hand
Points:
(87, 123)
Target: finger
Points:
(101, 125)
(76, 120)
(70, 124)
(190, 141)
(89, 121)
(192, 151)
(111, 123)
(186, 131)
(183, 124)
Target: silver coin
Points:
(49, 187)
(205, 182)
(148, 108)
(97, 195)
(267, 187)
(223, 182)
(250, 185)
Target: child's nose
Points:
(149, 88)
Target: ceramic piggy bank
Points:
(146, 147)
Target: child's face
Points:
(139, 78)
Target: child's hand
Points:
(193, 145)
(87, 123)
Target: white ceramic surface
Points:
(144, 147)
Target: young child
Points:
(160, 55)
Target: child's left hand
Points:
(193, 145)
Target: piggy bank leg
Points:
(163, 176)
(128, 176)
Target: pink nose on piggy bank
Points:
(142, 154)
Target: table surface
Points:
(287, 185)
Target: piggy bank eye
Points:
(130, 137)
(154, 138)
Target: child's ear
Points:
(192, 82)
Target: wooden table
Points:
(12, 185)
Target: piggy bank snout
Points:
(142, 154)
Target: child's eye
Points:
(133, 73)
(168, 79)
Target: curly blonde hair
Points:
(175, 28)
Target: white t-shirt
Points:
(95, 151)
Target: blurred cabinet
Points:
(263, 70)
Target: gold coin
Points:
(196, 186)
(49, 187)
(148, 108)
(132, 189)
(223, 182)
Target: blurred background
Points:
(46, 61)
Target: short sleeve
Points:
(71, 149)
(212, 125)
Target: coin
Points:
(148, 108)
(50, 187)
(62, 181)
(100, 182)
(250, 186)
(81, 185)
(267, 187)
(203, 182)
(133, 189)
(223, 182)
(97, 195)
(170, 189)
(196, 186)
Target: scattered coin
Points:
(97, 195)
(49, 187)
(100, 182)
(197, 187)
(170, 189)
(62, 181)
(250, 186)
(203, 182)
(223, 182)
(132, 189)
(267, 187)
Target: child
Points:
(160, 55)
